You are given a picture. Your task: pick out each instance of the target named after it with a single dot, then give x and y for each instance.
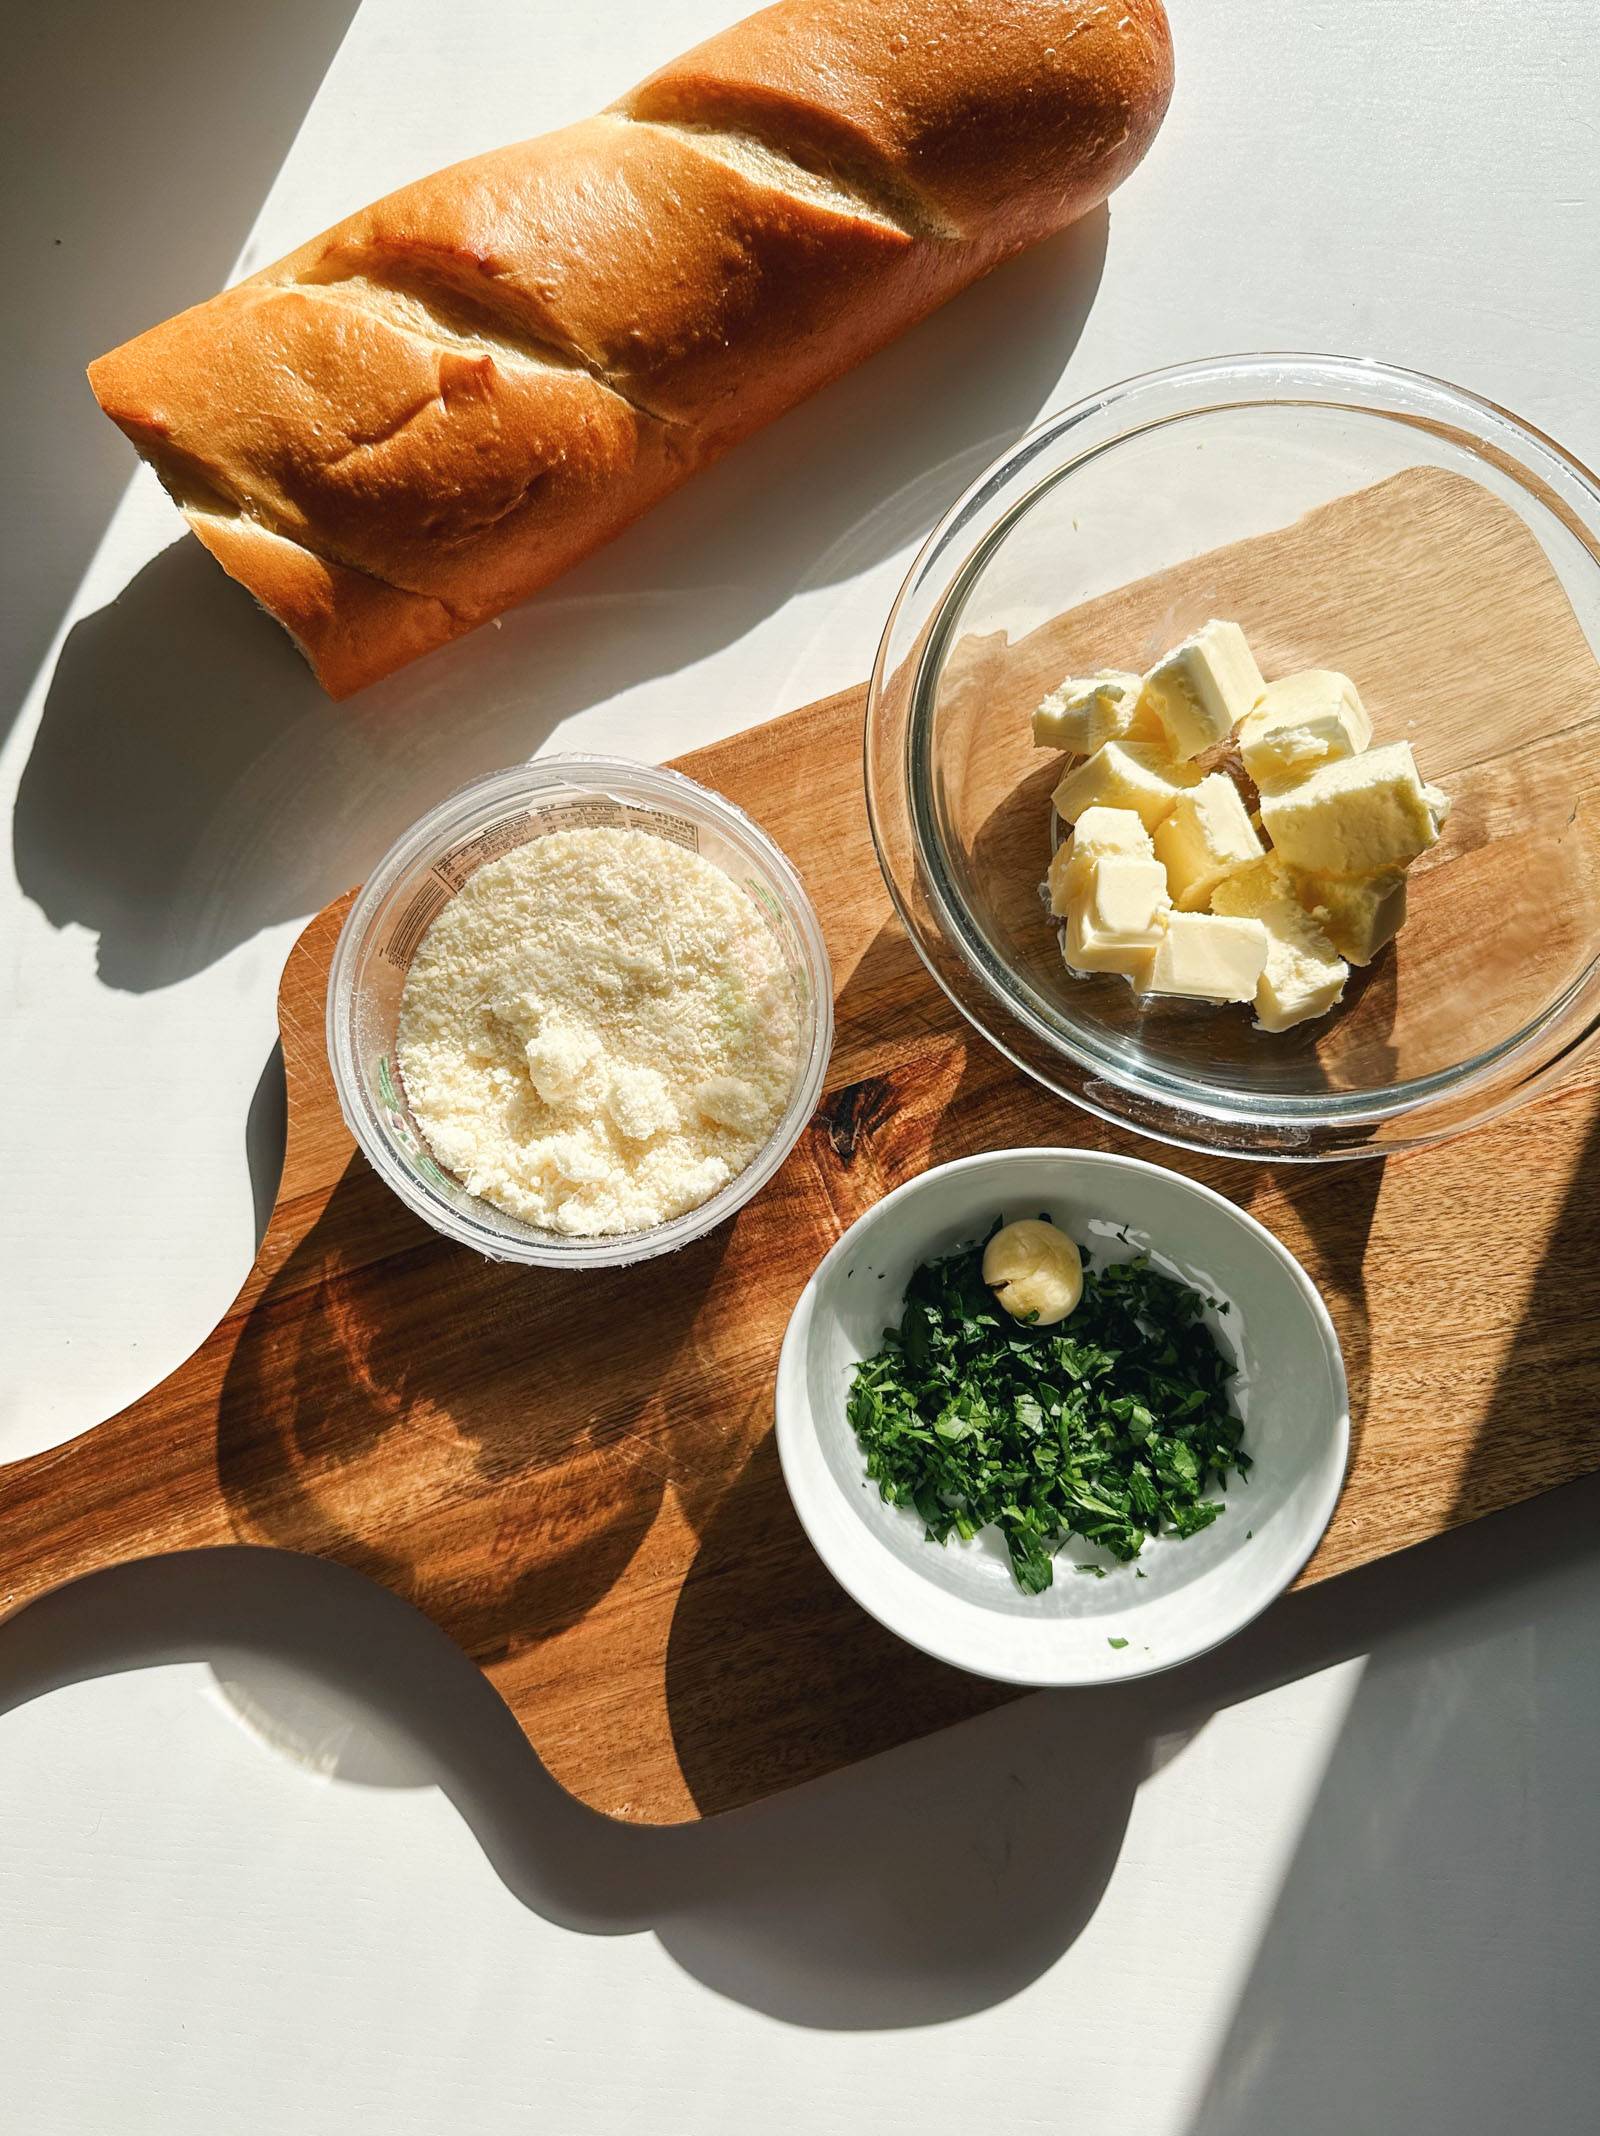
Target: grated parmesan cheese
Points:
(598, 1031)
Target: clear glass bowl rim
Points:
(1183, 1113)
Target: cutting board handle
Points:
(147, 1480)
(131, 1487)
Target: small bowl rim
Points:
(433, 829)
(795, 1424)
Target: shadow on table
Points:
(908, 1889)
(189, 784)
(121, 201)
(266, 1131)
(1418, 1969)
(941, 1878)
(1429, 1962)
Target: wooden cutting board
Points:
(576, 1477)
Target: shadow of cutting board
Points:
(575, 1476)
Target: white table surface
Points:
(271, 1856)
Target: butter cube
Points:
(1098, 831)
(1357, 913)
(1130, 775)
(1304, 974)
(1086, 712)
(1201, 689)
(1205, 839)
(1118, 917)
(1302, 721)
(1354, 815)
(1207, 957)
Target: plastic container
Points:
(1492, 990)
(424, 869)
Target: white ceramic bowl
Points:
(958, 1601)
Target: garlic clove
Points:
(1034, 1270)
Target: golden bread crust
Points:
(425, 414)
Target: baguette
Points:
(425, 414)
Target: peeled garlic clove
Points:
(1034, 1270)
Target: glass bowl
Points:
(1351, 516)
(426, 867)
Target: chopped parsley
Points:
(1110, 1425)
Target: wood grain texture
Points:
(576, 1477)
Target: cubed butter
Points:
(1359, 914)
(1098, 831)
(1206, 957)
(1087, 712)
(1202, 688)
(1117, 918)
(1304, 974)
(1207, 837)
(1302, 721)
(1124, 775)
(1352, 816)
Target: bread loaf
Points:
(432, 409)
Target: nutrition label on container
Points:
(603, 814)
